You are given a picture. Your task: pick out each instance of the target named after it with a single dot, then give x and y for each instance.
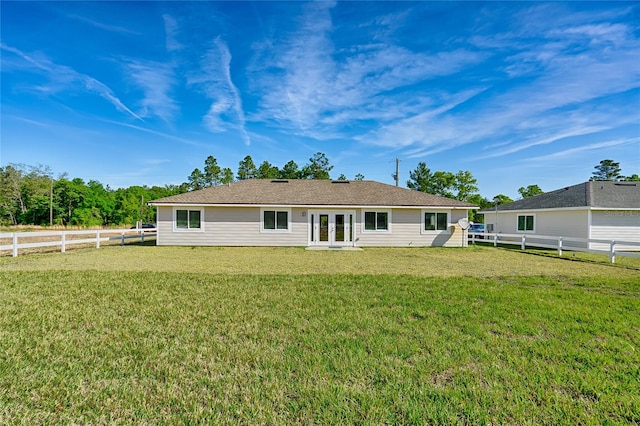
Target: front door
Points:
(331, 228)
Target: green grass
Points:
(134, 335)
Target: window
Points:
(435, 221)
(188, 219)
(275, 220)
(376, 221)
(525, 223)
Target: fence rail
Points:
(67, 238)
(616, 248)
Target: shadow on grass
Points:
(568, 255)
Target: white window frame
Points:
(447, 229)
(275, 209)
(188, 208)
(376, 211)
(525, 223)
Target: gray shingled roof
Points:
(603, 194)
(311, 192)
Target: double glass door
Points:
(331, 228)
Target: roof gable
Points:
(309, 192)
(602, 194)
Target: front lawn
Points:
(106, 341)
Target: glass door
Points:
(331, 228)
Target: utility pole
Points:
(51, 203)
(396, 175)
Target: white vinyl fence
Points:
(12, 240)
(615, 248)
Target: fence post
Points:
(559, 246)
(141, 236)
(63, 246)
(612, 252)
(524, 242)
(98, 238)
(122, 240)
(495, 240)
(15, 244)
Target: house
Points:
(280, 212)
(590, 210)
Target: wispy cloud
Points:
(569, 74)
(63, 78)
(311, 87)
(156, 133)
(171, 30)
(226, 110)
(102, 26)
(156, 81)
(590, 147)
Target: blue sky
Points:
(140, 93)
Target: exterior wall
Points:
(560, 223)
(240, 226)
(231, 226)
(620, 225)
(406, 228)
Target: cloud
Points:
(171, 30)
(156, 133)
(63, 78)
(155, 80)
(571, 152)
(106, 27)
(310, 86)
(563, 79)
(226, 110)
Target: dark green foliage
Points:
(460, 186)
(530, 191)
(607, 170)
(31, 196)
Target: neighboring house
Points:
(278, 212)
(595, 209)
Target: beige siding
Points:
(240, 226)
(405, 231)
(621, 225)
(231, 226)
(551, 223)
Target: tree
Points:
(226, 176)
(318, 167)
(10, 194)
(465, 185)
(290, 171)
(607, 170)
(420, 178)
(342, 177)
(246, 168)
(633, 178)
(267, 171)
(530, 191)
(444, 184)
(502, 199)
(212, 171)
(359, 176)
(196, 180)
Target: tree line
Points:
(30, 195)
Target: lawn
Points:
(156, 335)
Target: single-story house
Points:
(333, 213)
(590, 210)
